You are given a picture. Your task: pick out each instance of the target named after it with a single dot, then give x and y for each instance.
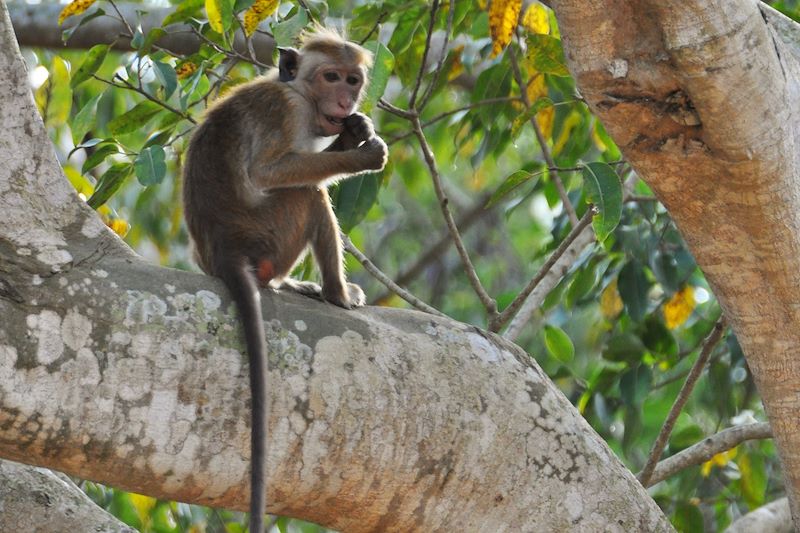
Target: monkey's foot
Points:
(354, 297)
(307, 288)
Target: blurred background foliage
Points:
(618, 333)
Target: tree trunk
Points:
(703, 98)
(129, 374)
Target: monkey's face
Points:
(337, 93)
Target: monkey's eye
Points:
(331, 76)
(353, 80)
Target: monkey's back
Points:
(218, 196)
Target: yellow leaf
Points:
(185, 70)
(214, 12)
(143, 505)
(537, 88)
(596, 138)
(503, 15)
(610, 301)
(721, 459)
(260, 10)
(121, 227)
(679, 307)
(76, 7)
(537, 19)
(545, 119)
(570, 123)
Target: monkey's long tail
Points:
(241, 282)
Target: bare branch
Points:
(683, 396)
(704, 450)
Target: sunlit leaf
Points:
(546, 55)
(84, 120)
(93, 60)
(604, 191)
(150, 165)
(135, 118)
(679, 307)
(257, 12)
(558, 343)
(353, 198)
(220, 14)
(286, 32)
(528, 114)
(66, 34)
(537, 19)
(382, 65)
(185, 11)
(509, 184)
(503, 15)
(76, 7)
(610, 301)
(109, 183)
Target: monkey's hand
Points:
(359, 128)
(375, 153)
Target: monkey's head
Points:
(332, 73)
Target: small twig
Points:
(683, 396)
(131, 87)
(442, 116)
(375, 26)
(426, 96)
(412, 101)
(499, 321)
(487, 301)
(548, 157)
(370, 267)
(475, 213)
(122, 19)
(402, 113)
(704, 450)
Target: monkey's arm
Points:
(307, 169)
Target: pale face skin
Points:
(337, 91)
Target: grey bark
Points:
(36, 499)
(775, 517)
(119, 371)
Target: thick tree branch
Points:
(681, 87)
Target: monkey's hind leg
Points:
(326, 244)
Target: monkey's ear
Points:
(287, 63)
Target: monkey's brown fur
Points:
(255, 193)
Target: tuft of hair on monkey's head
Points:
(328, 41)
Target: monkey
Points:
(255, 194)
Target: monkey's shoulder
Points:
(262, 96)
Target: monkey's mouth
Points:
(336, 121)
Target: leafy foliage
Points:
(619, 330)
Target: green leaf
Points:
(66, 34)
(546, 55)
(635, 384)
(583, 282)
(510, 183)
(353, 198)
(624, 347)
(403, 34)
(109, 183)
(382, 65)
(558, 343)
(84, 120)
(187, 9)
(685, 436)
(93, 61)
(152, 36)
(604, 190)
(167, 77)
(659, 339)
(688, 517)
(633, 288)
(60, 102)
(98, 156)
(150, 165)
(528, 114)
(134, 119)
(286, 32)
